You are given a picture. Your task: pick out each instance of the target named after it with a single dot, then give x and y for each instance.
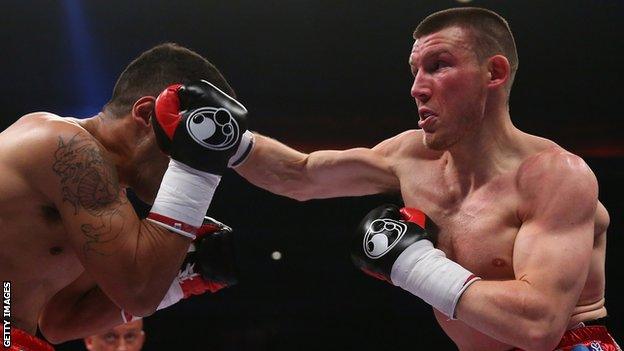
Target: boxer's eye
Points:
(438, 65)
(110, 338)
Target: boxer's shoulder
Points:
(555, 175)
(408, 144)
(552, 164)
(37, 141)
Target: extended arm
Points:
(320, 174)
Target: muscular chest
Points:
(477, 231)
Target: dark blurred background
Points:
(320, 74)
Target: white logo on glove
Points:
(213, 128)
(382, 235)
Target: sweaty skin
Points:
(64, 211)
(515, 209)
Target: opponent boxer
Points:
(520, 230)
(66, 220)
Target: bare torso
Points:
(35, 254)
(478, 230)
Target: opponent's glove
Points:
(204, 131)
(396, 245)
(209, 266)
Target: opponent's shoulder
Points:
(406, 144)
(41, 127)
(44, 137)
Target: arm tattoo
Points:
(89, 182)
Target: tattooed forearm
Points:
(89, 182)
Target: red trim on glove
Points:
(198, 286)
(413, 215)
(207, 228)
(168, 109)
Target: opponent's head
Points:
(157, 68)
(126, 337)
(464, 61)
(133, 101)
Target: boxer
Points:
(69, 232)
(518, 216)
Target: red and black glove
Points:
(204, 130)
(209, 266)
(201, 126)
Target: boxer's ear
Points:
(142, 110)
(499, 71)
(88, 341)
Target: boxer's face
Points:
(125, 337)
(449, 86)
(151, 164)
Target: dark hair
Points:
(157, 68)
(490, 32)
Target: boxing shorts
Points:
(22, 341)
(587, 338)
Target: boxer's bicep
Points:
(553, 249)
(321, 174)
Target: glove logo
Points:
(213, 128)
(381, 236)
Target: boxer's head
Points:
(132, 103)
(126, 337)
(157, 68)
(464, 61)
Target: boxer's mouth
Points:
(427, 118)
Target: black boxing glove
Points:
(210, 260)
(204, 131)
(397, 246)
(383, 234)
(209, 266)
(201, 126)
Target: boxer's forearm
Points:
(274, 166)
(515, 313)
(321, 174)
(143, 269)
(69, 316)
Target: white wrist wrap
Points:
(184, 197)
(244, 149)
(426, 272)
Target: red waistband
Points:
(594, 337)
(22, 341)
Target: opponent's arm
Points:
(133, 261)
(82, 308)
(551, 259)
(321, 174)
